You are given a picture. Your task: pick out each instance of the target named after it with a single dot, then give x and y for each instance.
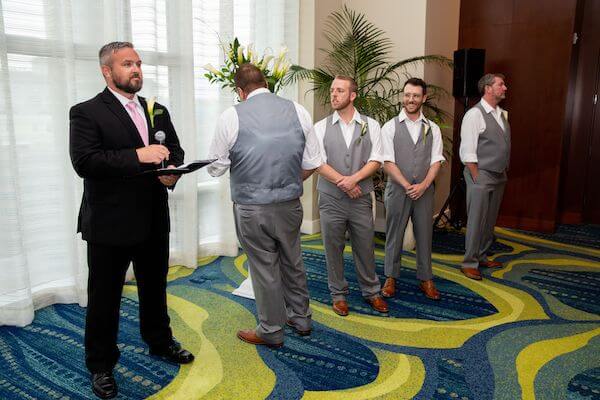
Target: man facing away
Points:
(413, 154)
(268, 145)
(485, 151)
(351, 148)
(124, 216)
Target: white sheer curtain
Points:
(48, 62)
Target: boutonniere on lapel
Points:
(425, 130)
(363, 131)
(151, 111)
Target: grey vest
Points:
(493, 146)
(412, 159)
(345, 160)
(266, 159)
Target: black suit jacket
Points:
(119, 206)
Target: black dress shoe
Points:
(104, 385)
(174, 353)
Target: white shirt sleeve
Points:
(387, 141)
(472, 125)
(311, 158)
(226, 133)
(375, 135)
(319, 130)
(437, 145)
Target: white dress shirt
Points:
(138, 106)
(414, 128)
(348, 133)
(473, 125)
(226, 134)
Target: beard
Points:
(128, 86)
(341, 105)
(412, 107)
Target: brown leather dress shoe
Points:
(378, 304)
(472, 273)
(340, 307)
(249, 336)
(389, 288)
(298, 331)
(490, 264)
(429, 289)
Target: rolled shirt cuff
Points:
(376, 157)
(313, 163)
(469, 158)
(218, 167)
(389, 157)
(435, 159)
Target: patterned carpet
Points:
(530, 330)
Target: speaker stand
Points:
(454, 219)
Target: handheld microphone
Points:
(160, 138)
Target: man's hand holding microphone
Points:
(157, 154)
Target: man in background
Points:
(485, 152)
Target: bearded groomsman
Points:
(413, 154)
(485, 151)
(351, 150)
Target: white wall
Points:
(402, 20)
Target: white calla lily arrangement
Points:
(274, 68)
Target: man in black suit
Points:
(124, 216)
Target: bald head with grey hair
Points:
(488, 80)
(106, 52)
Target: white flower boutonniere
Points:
(363, 131)
(151, 111)
(425, 130)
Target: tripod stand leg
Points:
(453, 221)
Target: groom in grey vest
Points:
(413, 154)
(485, 151)
(351, 149)
(268, 144)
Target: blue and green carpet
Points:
(530, 330)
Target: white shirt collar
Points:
(336, 117)
(402, 116)
(488, 109)
(258, 91)
(124, 100)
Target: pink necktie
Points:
(138, 121)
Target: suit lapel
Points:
(117, 108)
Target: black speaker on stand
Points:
(468, 69)
(469, 66)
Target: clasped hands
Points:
(156, 154)
(416, 190)
(349, 185)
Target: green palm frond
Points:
(359, 49)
